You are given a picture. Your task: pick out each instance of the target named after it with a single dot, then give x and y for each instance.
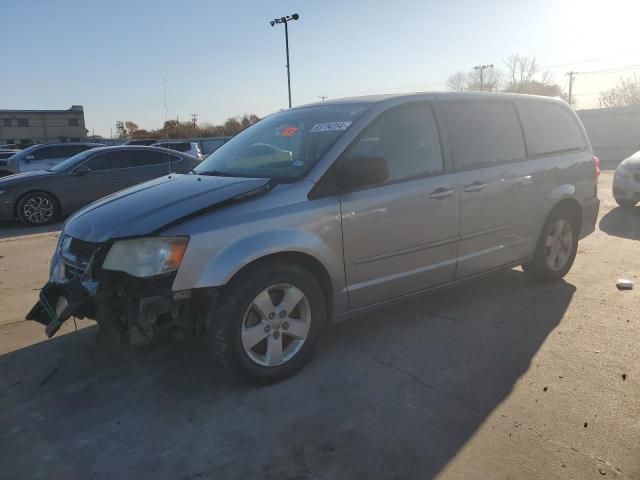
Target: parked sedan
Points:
(190, 148)
(41, 197)
(626, 181)
(43, 156)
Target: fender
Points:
(557, 194)
(235, 256)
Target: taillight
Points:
(596, 166)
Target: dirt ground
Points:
(498, 378)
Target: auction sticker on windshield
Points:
(330, 127)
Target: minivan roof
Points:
(373, 99)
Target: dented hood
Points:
(154, 205)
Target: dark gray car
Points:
(40, 197)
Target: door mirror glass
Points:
(82, 170)
(358, 172)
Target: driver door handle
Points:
(476, 186)
(440, 193)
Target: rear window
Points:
(483, 133)
(550, 128)
(140, 158)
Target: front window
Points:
(283, 145)
(71, 162)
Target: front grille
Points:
(82, 249)
(75, 257)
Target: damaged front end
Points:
(129, 309)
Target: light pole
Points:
(286, 21)
(482, 68)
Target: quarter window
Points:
(141, 158)
(407, 138)
(483, 134)
(550, 128)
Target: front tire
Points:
(556, 248)
(268, 321)
(38, 208)
(625, 203)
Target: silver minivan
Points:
(322, 211)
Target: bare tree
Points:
(626, 93)
(520, 71)
(470, 81)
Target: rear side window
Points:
(483, 134)
(45, 153)
(141, 158)
(550, 128)
(109, 161)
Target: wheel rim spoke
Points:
(38, 209)
(274, 355)
(298, 328)
(263, 304)
(251, 336)
(291, 299)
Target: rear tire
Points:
(268, 321)
(38, 208)
(556, 248)
(624, 203)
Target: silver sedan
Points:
(626, 181)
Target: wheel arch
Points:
(572, 207)
(306, 261)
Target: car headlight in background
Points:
(623, 171)
(146, 257)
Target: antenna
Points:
(166, 118)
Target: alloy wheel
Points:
(558, 244)
(276, 325)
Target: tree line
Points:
(177, 129)
(521, 74)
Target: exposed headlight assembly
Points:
(146, 257)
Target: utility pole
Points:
(194, 119)
(571, 75)
(286, 21)
(323, 97)
(481, 69)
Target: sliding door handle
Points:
(475, 187)
(440, 193)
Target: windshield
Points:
(283, 145)
(71, 162)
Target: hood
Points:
(633, 161)
(24, 176)
(154, 205)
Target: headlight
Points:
(146, 257)
(623, 171)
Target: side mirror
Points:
(28, 158)
(82, 170)
(357, 172)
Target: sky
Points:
(222, 59)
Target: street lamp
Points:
(482, 68)
(286, 20)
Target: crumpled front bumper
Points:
(63, 297)
(58, 302)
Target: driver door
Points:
(400, 236)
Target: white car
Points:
(626, 181)
(190, 148)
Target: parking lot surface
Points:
(497, 378)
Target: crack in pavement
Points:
(470, 406)
(561, 444)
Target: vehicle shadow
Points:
(622, 222)
(14, 228)
(391, 394)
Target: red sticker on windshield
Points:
(289, 131)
